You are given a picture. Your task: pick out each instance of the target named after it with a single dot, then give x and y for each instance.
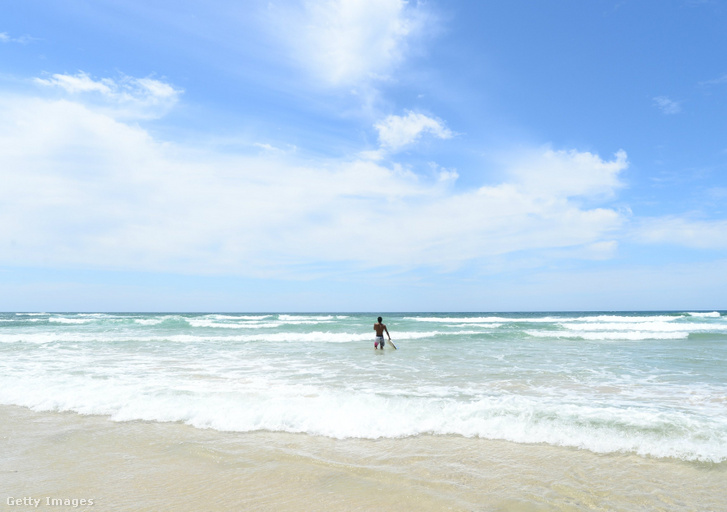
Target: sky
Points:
(363, 155)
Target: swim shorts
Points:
(379, 340)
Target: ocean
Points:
(649, 387)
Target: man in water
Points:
(380, 330)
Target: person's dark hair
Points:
(380, 319)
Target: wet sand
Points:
(146, 466)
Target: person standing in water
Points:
(380, 330)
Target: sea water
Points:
(648, 384)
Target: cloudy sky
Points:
(363, 155)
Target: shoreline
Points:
(140, 466)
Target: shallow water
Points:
(649, 384)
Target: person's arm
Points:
(387, 332)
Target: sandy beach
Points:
(148, 466)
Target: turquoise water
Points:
(653, 384)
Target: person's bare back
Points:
(380, 329)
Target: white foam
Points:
(202, 322)
(369, 413)
(334, 337)
(631, 335)
(306, 318)
(479, 325)
(545, 319)
(466, 320)
(655, 327)
(148, 321)
(275, 337)
(304, 322)
(64, 320)
(251, 324)
(44, 337)
(238, 317)
(713, 314)
(619, 319)
(264, 325)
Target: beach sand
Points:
(149, 466)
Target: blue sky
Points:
(352, 155)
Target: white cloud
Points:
(351, 42)
(396, 132)
(82, 188)
(667, 105)
(716, 81)
(6, 38)
(128, 96)
(374, 155)
(603, 250)
(447, 175)
(685, 231)
(266, 147)
(567, 173)
(79, 83)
